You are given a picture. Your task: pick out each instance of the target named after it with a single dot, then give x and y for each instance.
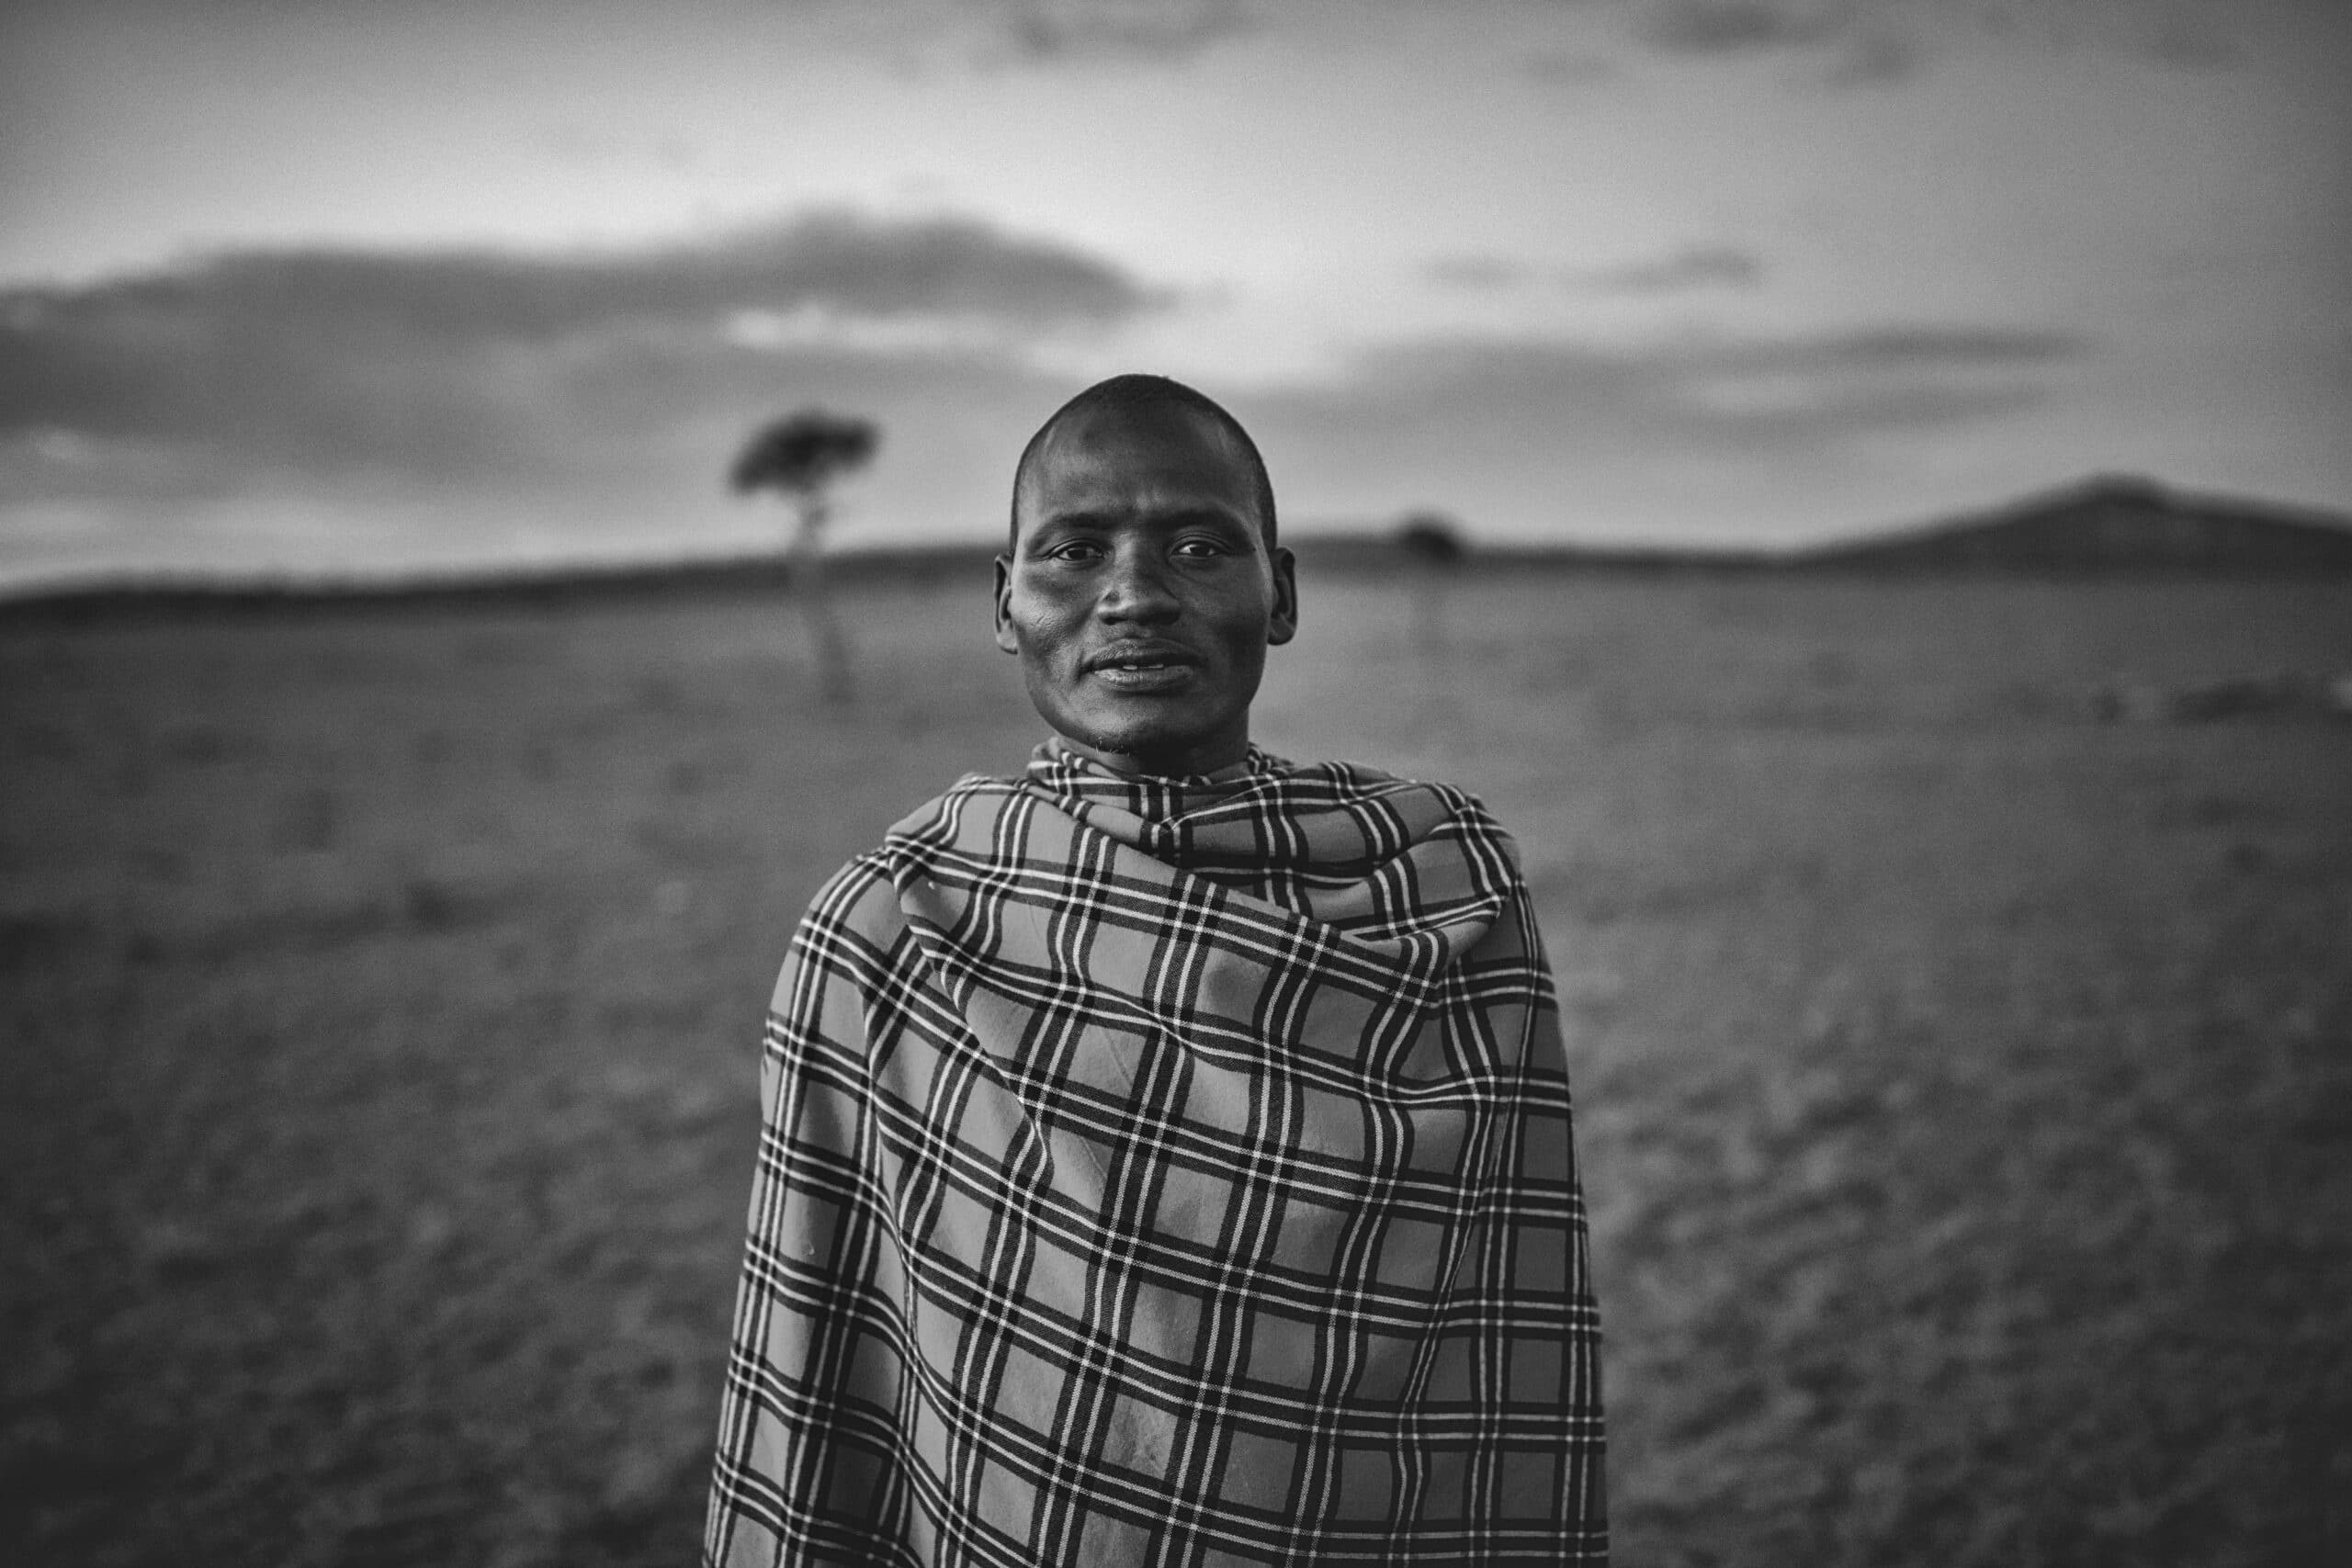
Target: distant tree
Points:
(1432, 539)
(1431, 545)
(799, 456)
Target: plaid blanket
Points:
(1166, 1172)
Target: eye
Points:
(1203, 547)
(1080, 549)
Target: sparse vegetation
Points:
(1964, 1091)
(800, 456)
(1433, 549)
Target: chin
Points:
(1134, 738)
(1138, 735)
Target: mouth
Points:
(1140, 667)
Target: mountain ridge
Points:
(2105, 523)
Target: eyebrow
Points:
(1104, 522)
(1082, 519)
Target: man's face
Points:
(1140, 595)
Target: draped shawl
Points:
(1166, 1172)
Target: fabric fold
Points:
(1166, 1165)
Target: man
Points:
(1166, 1154)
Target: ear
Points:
(1283, 625)
(1004, 638)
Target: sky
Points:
(324, 288)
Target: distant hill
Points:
(2105, 523)
(765, 575)
(1376, 552)
(2109, 522)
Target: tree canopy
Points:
(1432, 539)
(802, 453)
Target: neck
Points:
(1172, 765)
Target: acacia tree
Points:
(1431, 545)
(799, 456)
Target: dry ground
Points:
(1965, 1087)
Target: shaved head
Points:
(1143, 396)
(1142, 587)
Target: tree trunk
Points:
(829, 643)
(1428, 611)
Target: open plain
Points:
(1964, 1083)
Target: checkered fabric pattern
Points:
(1166, 1172)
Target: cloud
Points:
(478, 364)
(1917, 347)
(1876, 53)
(1158, 31)
(392, 408)
(1723, 27)
(1566, 68)
(1817, 388)
(1732, 438)
(839, 260)
(1694, 266)
(1675, 428)
(2190, 42)
(456, 368)
(1476, 273)
(1860, 42)
(1828, 388)
(333, 411)
(1871, 41)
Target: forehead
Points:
(1159, 456)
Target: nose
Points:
(1135, 589)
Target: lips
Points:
(1144, 669)
(1134, 658)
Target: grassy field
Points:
(1964, 1085)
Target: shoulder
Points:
(1429, 804)
(1343, 780)
(939, 816)
(862, 896)
(854, 929)
(857, 898)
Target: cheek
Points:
(1043, 604)
(1243, 625)
(1041, 628)
(1045, 631)
(1031, 616)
